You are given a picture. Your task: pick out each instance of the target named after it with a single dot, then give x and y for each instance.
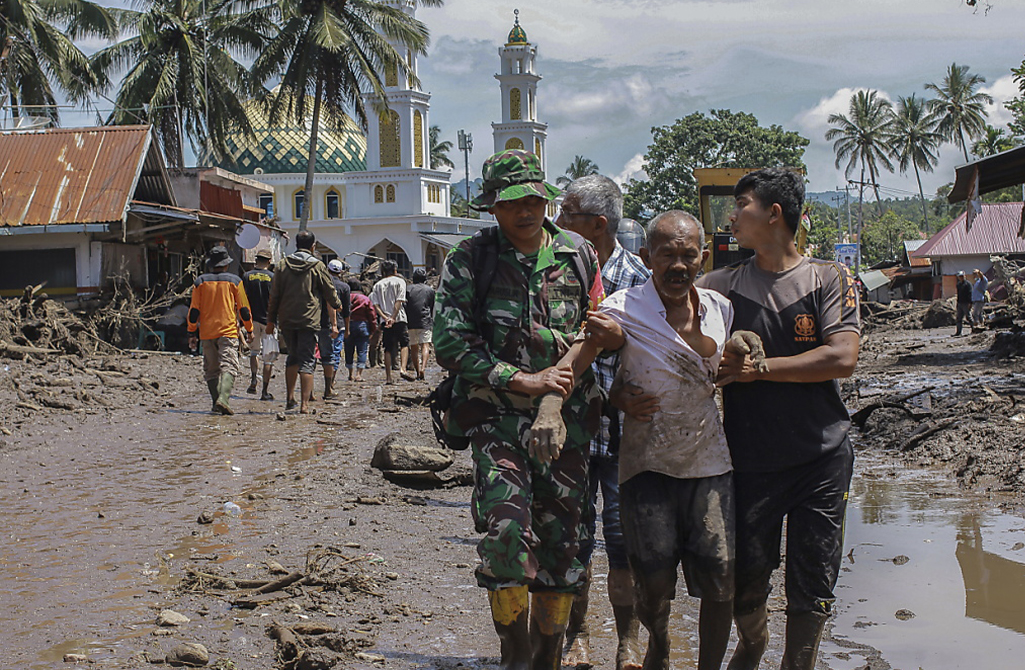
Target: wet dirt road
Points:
(100, 521)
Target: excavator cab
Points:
(715, 195)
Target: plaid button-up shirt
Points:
(622, 270)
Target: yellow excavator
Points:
(715, 195)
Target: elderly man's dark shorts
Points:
(302, 347)
(668, 521)
(395, 338)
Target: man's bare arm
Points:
(836, 358)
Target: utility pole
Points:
(466, 146)
(862, 184)
(839, 216)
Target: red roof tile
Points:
(994, 231)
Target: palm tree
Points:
(331, 52)
(182, 76)
(439, 149)
(960, 108)
(992, 141)
(914, 141)
(861, 138)
(36, 38)
(580, 167)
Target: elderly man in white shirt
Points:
(675, 472)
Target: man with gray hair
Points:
(592, 207)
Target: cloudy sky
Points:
(614, 68)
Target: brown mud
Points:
(108, 463)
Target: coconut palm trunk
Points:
(311, 163)
(921, 195)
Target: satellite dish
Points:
(248, 236)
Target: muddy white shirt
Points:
(685, 438)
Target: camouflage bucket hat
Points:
(511, 175)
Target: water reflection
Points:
(994, 586)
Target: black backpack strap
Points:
(483, 264)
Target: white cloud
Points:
(634, 169)
(1002, 90)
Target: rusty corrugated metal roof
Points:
(994, 231)
(910, 246)
(75, 175)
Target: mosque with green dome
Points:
(375, 196)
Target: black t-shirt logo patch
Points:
(804, 326)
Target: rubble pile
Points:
(35, 325)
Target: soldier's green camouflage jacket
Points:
(535, 306)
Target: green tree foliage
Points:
(992, 141)
(328, 53)
(825, 229)
(883, 237)
(181, 73)
(722, 139)
(914, 141)
(39, 53)
(580, 167)
(1017, 105)
(960, 108)
(439, 149)
(861, 138)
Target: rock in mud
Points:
(1008, 344)
(76, 658)
(172, 618)
(904, 614)
(188, 654)
(407, 457)
(205, 518)
(317, 659)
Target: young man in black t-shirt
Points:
(787, 426)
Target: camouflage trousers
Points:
(530, 512)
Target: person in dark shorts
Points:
(389, 298)
(300, 289)
(675, 480)
(786, 425)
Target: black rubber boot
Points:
(510, 612)
(212, 385)
(548, 618)
(804, 630)
(224, 386)
(753, 631)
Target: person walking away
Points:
(979, 287)
(362, 323)
(503, 350)
(331, 347)
(420, 320)
(300, 286)
(785, 421)
(389, 298)
(592, 207)
(218, 304)
(257, 284)
(964, 303)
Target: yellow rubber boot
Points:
(549, 616)
(509, 610)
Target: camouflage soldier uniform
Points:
(529, 510)
(534, 305)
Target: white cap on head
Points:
(960, 273)
(336, 267)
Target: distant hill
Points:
(825, 197)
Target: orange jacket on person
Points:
(218, 303)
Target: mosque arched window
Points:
(378, 194)
(515, 108)
(537, 147)
(391, 149)
(298, 202)
(332, 202)
(389, 193)
(391, 75)
(418, 139)
(514, 143)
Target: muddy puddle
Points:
(932, 578)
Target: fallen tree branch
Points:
(921, 434)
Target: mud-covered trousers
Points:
(813, 498)
(529, 512)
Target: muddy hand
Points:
(749, 343)
(548, 433)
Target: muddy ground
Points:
(108, 463)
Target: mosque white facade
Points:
(375, 196)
